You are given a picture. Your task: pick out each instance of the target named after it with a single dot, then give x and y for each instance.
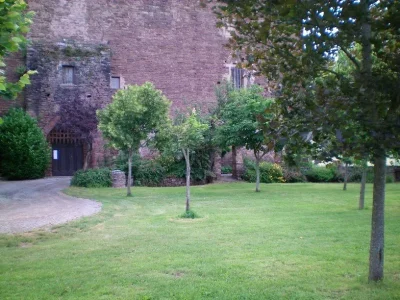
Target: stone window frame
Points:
(119, 82)
(71, 79)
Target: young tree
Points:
(185, 137)
(249, 119)
(134, 114)
(80, 117)
(293, 43)
(14, 24)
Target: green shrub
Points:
(389, 178)
(151, 172)
(269, 172)
(226, 170)
(293, 175)
(190, 214)
(144, 171)
(322, 174)
(24, 151)
(92, 178)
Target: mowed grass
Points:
(291, 241)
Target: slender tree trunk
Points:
(234, 162)
(378, 212)
(257, 174)
(128, 185)
(187, 160)
(362, 188)
(345, 176)
(87, 156)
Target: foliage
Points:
(189, 214)
(199, 165)
(269, 172)
(185, 137)
(92, 178)
(24, 152)
(14, 24)
(135, 113)
(322, 174)
(294, 43)
(226, 169)
(355, 175)
(151, 172)
(246, 118)
(292, 175)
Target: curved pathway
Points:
(30, 204)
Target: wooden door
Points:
(66, 159)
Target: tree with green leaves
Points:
(294, 42)
(184, 137)
(14, 24)
(129, 120)
(249, 119)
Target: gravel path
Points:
(30, 204)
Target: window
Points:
(115, 82)
(68, 75)
(237, 77)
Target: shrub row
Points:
(151, 172)
(92, 178)
(269, 172)
(273, 173)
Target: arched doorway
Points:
(66, 154)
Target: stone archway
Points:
(67, 152)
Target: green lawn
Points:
(291, 241)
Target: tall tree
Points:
(294, 42)
(249, 119)
(14, 24)
(129, 120)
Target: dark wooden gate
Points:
(67, 153)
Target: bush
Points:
(24, 151)
(226, 170)
(152, 172)
(92, 178)
(269, 172)
(322, 174)
(292, 176)
(149, 173)
(144, 171)
(190, 214)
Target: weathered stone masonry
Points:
(172, 43)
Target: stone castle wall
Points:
(172, 43)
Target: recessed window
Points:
(115, 82)
(237, 77)
(68, 75)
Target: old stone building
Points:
(90, 48)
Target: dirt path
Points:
(30, 204)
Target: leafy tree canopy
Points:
(14, 24)
(134, 114)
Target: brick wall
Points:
(172, 43)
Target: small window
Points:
(237, 76)
(68, 75)
(115, 82)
